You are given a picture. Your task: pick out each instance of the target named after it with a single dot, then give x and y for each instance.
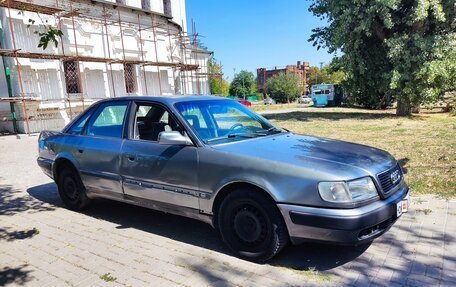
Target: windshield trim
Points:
(248, 139)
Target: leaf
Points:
(392, 50)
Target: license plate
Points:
(402, 206)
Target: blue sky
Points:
(250, 34)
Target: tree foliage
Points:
(49, 35)
(217, 84)
(243, 84)
(326, 75)
(284, 87)
(46, 32)
(402, 50)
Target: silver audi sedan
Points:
(214, 160)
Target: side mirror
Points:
(173, 138)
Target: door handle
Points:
(130, 157)
(80, 150)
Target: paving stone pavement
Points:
(44, 244)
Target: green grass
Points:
(426, 211)
(108, 277)
(312, 274)
(425, 143)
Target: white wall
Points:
(179, 13)
(45, 79)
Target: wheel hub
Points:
(247, 226)
(70, 188)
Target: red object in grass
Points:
(245, 102)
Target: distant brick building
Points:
(301, 69)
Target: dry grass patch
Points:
(425, 144)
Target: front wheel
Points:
(251, 225)
(71, 189)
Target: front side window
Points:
(217, 121)
(151, 120)
(108, 120)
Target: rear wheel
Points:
(71, 190)
(251, 225)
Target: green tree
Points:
(326, 75)
(284, 87)
(402, 50)
(217, 84)
(243, 84)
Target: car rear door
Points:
(161, 173)
(98, 149)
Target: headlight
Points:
(362, 189)
(348, 192)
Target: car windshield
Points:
(218, 121)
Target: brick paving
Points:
(114, 244)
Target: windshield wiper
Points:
(271, 129)
(234, 135)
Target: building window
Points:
(71, 70)
(167, 8)
(130, 78)
(261, 79)
(145, 4)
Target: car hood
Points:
(338, 159)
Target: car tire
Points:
(251, 225)
(71, 189)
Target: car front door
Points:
(98, 149)
(160, 173)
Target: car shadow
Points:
(317, 256)
(303, 257)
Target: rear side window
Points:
(108, 120)
(78, 126)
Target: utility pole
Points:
(243, 88)
(8, 83)
(321, 66)
(10, 95)
(234, 76)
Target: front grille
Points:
(390, 179)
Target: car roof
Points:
(170, 100)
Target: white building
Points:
(108, 49)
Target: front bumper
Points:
(342, 226)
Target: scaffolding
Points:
(110, 15)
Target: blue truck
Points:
(325, 95)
